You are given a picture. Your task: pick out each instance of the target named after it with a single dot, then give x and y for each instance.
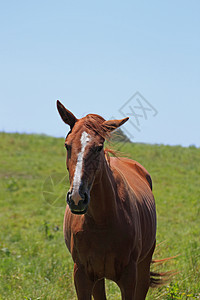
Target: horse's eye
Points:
(67, 146)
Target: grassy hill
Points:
(34, 262)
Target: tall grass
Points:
(34, 261)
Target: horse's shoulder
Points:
(130, 167)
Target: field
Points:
(34, 261)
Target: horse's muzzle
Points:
(82, 206)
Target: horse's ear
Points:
(111, 125)
(66, 115)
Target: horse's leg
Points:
(83, 284)
(128, 280)
(99, 292)
(143, 281)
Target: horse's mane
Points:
(108, 151)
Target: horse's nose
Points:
(81, 206)
(74, 196)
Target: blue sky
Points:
(93, 57)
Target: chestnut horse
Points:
(110, 220)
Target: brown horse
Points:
(110, 219)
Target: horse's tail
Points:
(161, 278)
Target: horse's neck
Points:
(102, 207)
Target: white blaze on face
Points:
(85, 138)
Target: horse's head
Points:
(84, 144)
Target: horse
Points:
(110, 218)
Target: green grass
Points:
(34, 261)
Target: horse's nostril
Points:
(85, 199)
(69, 197)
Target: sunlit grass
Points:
(34, 261)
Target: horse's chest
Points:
(101, 253)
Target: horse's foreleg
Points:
(82, 283)
(128, 281)
(99, 292)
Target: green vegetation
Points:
(34, 261)
(119, 136)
